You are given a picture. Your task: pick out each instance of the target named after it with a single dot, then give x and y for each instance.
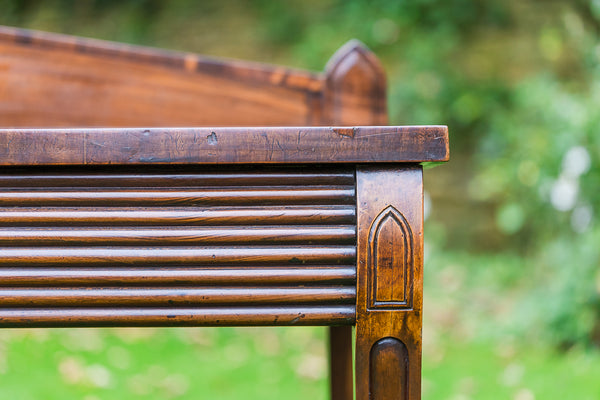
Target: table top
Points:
(231, 145)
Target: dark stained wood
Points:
(174, 197)
(182, 177)
(391, 247)
(174, 296)
(180, 255)
(268, 239)
(190, 216)
(304, 275)
(389, 366)
(341, 362)
(355, 87)
(290, 145)
(354, 94)
(191, 226)
(172, 236)
(389, 296)
(229, 316)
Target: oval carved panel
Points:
(389, 366)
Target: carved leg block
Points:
(389, 283)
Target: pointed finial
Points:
(355, 87)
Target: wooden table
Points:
(161, 226)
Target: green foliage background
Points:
(512, 301)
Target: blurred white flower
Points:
(99, 375)
(426, 205)
(576, 162)
(512, 375)
(581, 218)
(524, 394)
(563, 194)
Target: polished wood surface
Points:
(169, 235)
(206, 316)
(105, 256)
(149, 197)
(51, 80)
(290, 145)
(388, 366)
(355, 87)
(191, 276)
(152, 176)
(247, 241)
(354, 94)
(158, 226)
(170, 216)
(389, 297)
(114, 84)
(174, 296)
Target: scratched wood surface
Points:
(223, 145)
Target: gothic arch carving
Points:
(391, 266)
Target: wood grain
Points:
(388, 329)
(121, 237)
(264, 275)
(172, 216)
(391, 253)
(176, 197)
(213, 226)
(290, 145)
(52, 80)
(173, 296)
(389, 370)
(165, 236)
(180, 176)
(354, 94)
(180, 255)
(229, 316)
(355, 87)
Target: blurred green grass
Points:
(263, 363)
(146, 363)
(510, 370)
